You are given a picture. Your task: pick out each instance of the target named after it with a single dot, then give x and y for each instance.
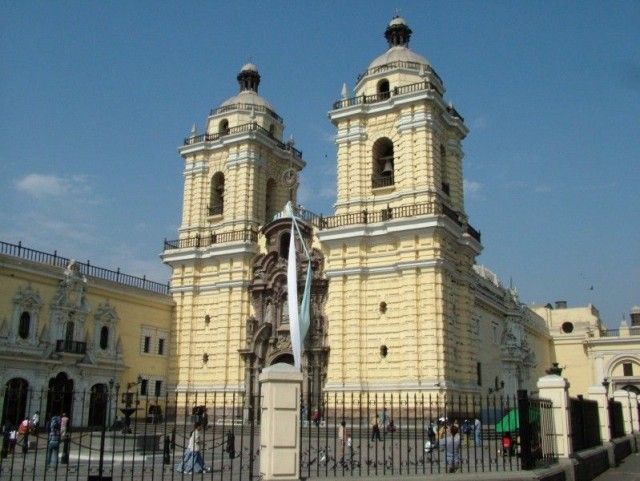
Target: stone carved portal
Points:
(267, 332)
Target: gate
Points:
(140, 438)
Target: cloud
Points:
(472, 188)
(479, 123)
(43, 185)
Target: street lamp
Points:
(606, 383)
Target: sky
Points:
(97, 96)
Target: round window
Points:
(567, 327)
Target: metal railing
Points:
(216, 209)
(17, 250)
(382, 96)
(239, 129)
(584, 423)
(244, 106)
(146, 438)
(398, 64)
(378, 181)
(377, 434)
(71, 347)
(245, 235)
(371, 217)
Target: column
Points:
(280, 431)
(622, 397)
(555, 388)
(599, 393)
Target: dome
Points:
(398, 35)
(397, 21)
(249, 67)
(398, 54)
(247, 97)
(248, 80)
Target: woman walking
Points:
(192, 461)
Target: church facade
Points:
(398, 303)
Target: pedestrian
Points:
(35, 422)
(466, 429)
(205, 418)
(342, 438)
(53, 442)
(316, 417)
(452, 448)
(23, 431)
(375, 429)
(231, 444)
(13, 439)
(431, 434)
(6, 432)
(507, 444)
(192, 460)
(383, 419)
(64, 426)
(477, 431)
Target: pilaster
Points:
(624, 399)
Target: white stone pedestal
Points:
(280, 387)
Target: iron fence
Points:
(86, 268)
(616, 419)
(371, 434)
(112, 435)
(584, 423)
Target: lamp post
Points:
(606, 383)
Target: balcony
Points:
(378, 181)
(246, 235)
(215, 209)
(71, 347)
(239, 129)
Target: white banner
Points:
(292, 300)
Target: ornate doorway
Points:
(15, 401)
(267, 333)
(98, 404)
(60, 398)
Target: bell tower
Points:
(238, 174)
(399, 251)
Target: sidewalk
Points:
(629, 470)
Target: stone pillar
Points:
(633, 398)
(280, 431)
(622, 396)
(599, 393)
(555, 388)
(598, 369)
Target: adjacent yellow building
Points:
(71, 332)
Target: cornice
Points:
(392, 268)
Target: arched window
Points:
(444, 179)
(25, 325)
(383, 163)
(269, 201)
(285, 239)
(216, 201)
(223, 127)
(382, 89)
(104, 337)
(272, 130)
